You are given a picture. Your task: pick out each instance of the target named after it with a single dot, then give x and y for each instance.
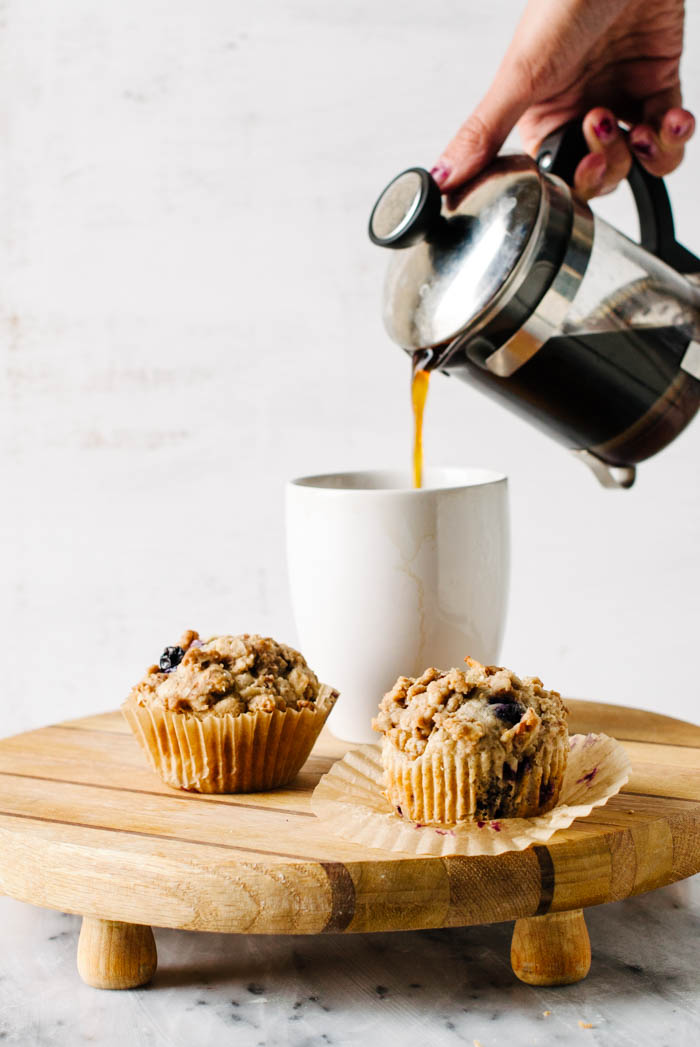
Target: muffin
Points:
(477, 743)
(231, 714)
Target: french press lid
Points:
(461, 264)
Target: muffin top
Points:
(468, 708)
(230, 674)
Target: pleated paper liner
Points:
(228, 754)
(446, 787)
(350, 802)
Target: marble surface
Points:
(431, 987)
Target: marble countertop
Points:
(417, 988)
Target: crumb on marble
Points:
(585, 1025)
(546, 1014)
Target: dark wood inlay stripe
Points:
(546, 864)
(342, 896)
(175, 795)
(157, 836)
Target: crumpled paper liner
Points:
(228, 754)
(350, 802)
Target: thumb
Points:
(483, 133)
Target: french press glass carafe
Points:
(518, 288)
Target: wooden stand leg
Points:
(551, 950)
(114, 955)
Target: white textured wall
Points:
(190, 314)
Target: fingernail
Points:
(441, 172)
(643, 147)
(682, 127)
(605, 129)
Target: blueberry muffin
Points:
(230, 714)
(477, 743)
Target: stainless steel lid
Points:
(492, 254)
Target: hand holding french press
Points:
(596, 61)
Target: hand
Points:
(603, 60)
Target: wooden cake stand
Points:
(86, 827)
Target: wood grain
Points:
(86, 827)
(114, 955)
(551, 950)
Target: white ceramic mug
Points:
(387, 580)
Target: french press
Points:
(518, 288)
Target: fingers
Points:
(471, 149)
(589, 176)
(478, 140)
(483, 133)
(659, 146)
(606, 141)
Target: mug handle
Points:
(560, 153)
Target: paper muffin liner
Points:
(228, 754)
(448, 786)
(350, 802)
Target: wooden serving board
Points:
(86, 827)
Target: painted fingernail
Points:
(605, 130)
(643, 147)
(441, 172)
(682, 127)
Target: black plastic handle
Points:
(560, 154)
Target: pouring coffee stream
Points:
(420, 378)
(519, 289)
